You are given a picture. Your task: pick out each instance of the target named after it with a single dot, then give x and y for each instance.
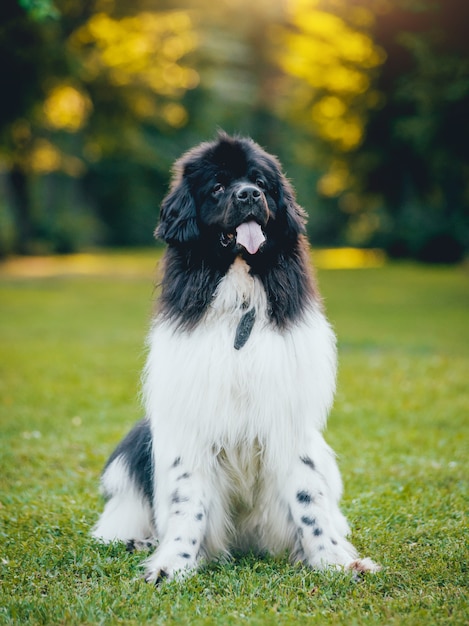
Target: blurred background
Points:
(366, 103)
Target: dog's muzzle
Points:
(249, 204)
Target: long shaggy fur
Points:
(238, 383)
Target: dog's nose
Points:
(248, 194)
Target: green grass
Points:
(71, 354)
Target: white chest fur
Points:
(273, 392)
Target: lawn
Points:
(71, 353)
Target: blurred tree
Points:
(24, 51)
(415, 158)
(102, 90)
(133, 71)
(330, 62)
(238, 76)
(364, 101)
(39, 9)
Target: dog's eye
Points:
(218, 188)
(260, 183)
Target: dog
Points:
(239, 379)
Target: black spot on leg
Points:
(309, 462)
(308, 521)
(193, 542)
(130, 545)
(178, 539)
(184, 555)
(177, 462)
(200, 516)
(184, 476)
(334, 542)
(304, 497)
(317, 532)
(176, 498)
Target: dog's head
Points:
(230, 195)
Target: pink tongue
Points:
(250, 235)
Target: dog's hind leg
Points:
(126, 517)
(127, 514)
(127, 484)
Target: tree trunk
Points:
(18, 181)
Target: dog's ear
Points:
(290, 210)
(178, 219)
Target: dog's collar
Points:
(244, 328)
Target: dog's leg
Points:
(127, 515)
(313, 491)
(181, 508)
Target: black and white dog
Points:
(238, 383)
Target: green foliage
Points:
(39, 9)
(72, 351)
(364, 102)
(415, 156)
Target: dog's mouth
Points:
(248, 234)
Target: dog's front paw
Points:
(363, 566)
(169, 565)
(328, 553)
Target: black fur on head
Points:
(230, 198)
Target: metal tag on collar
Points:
(244, 328)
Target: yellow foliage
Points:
(45, 158)
(332, 58)
(175, 114)
(144, 50)
(143, 105)
(336, 124)
(329, 107)
(335, 181)
(66, 108)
